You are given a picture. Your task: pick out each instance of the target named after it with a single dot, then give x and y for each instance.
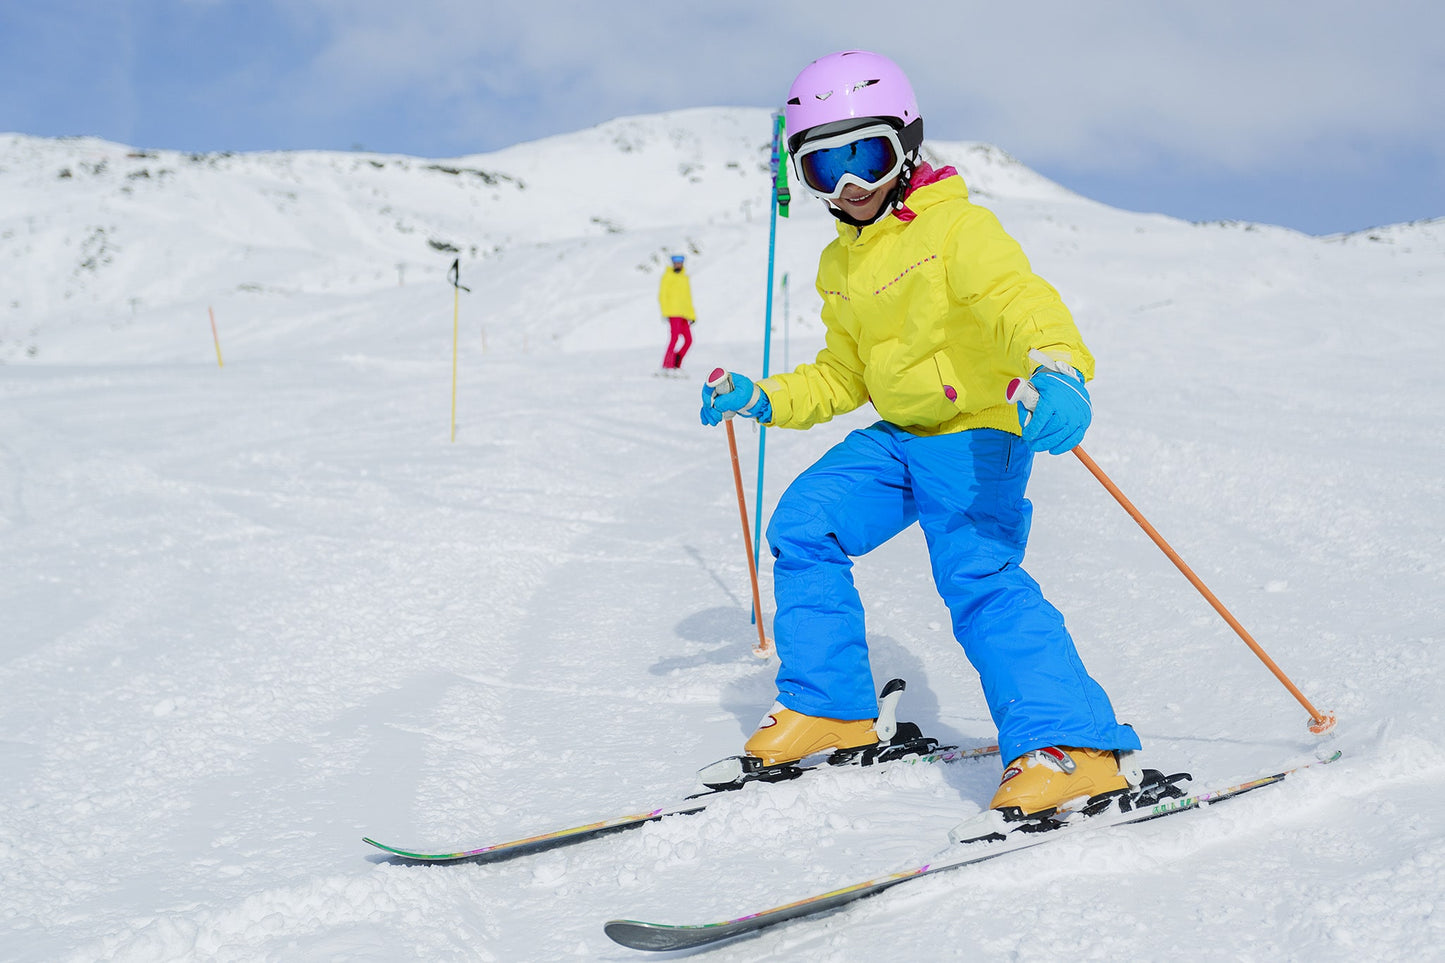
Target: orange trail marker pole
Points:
(1320, 722)
(721, 383)
(216, 337)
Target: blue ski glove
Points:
(1061, 411)
(727, 394)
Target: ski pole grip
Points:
(1023, 393)
(721, 383)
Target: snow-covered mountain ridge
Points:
(98, 237)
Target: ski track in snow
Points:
(254, 613)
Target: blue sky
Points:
(1323, 116)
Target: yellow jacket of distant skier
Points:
(929, 312)
(674, 295)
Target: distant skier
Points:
(930, 310)
(674, 295)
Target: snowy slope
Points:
(253, 613)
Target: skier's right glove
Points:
(727, 394)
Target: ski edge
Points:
(643, 935)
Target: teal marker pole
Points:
(778, 205)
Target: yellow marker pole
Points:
(454, 277)
(216, 337)
(456, 309)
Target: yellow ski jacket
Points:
(929, 313)
(674, 295)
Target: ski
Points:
(527, 846)
(511, 849)
(641, 935)
(899, 742)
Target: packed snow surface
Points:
(253, 611)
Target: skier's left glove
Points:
(1062, 411)
(727, 394)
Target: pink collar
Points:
(923, 175)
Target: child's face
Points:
(862, 204)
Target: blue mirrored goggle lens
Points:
(868, 159)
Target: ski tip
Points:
(408, 856)
(665, 937)
(382, 846)
(624, 931)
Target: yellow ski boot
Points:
(787, 736)
(1042, 781)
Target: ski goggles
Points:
(867, 157)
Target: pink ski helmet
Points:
(849, 87)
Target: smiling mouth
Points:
(858, 199)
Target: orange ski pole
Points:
(721, 383)
(216, 337)
(1320, 722)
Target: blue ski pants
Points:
(966, 491)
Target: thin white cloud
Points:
(1229, 84)
(1229, 87)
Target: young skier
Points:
(674, 296)
(930, 310)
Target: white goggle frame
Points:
(838, 140)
